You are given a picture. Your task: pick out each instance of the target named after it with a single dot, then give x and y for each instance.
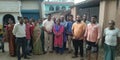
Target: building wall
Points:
(30, 9)
(15, 14)
(28, 5)
(109, 11)
(118, 16)
(73, 12)
(9, 7)
(47, 6)
(61, 0)
(90, 11)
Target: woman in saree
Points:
(10, 37)
(37, 46)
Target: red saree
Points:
(11, 39)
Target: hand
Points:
(48, 32)
(85, 38)
(76, 37)
(71, 34)
(97, 41)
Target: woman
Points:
(58, 38)
(11, 37)
(37, 46)
(112, 35)
(42, 34)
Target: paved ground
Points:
(53, 56)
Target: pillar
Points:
(108, 11)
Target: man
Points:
(93, 35)
(31, 33)
(69, 32)
(47, 26)
(78, 30)
(28, 37)
(112, 40)
(64, 23)
(85, 19)
(20, 34)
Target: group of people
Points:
(60, 35)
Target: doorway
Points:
(5, 19)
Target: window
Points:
(51, 8)
(63, 8)
(57, 8)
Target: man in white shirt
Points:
(20, 34)
(47, 26)
(112, 37)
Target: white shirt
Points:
(111, 36)
(19, 30)
(48, 24)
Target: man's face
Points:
(70, 18)
(93, 19)
(62, 18)
(78, 18)
(84, 17)
(21, 21)
(111, 24)
(49, 16)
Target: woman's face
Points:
(26, 20)
(10, 21)
(58, 22)
(35, 22)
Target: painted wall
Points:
(28, 5)
(9, 7)
(47, 6)
(30, 9)
(74, 12)
(109, 11)
(15, 14)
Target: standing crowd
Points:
(60, 35)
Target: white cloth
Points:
(48, 24)
(111, 36)
(19, 30)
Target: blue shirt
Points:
(64, 23)
(69, 27)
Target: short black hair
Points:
(19, 17)
(113, 22)
(49, 14)
(95, 16)
(70, 15)
(26, 18)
